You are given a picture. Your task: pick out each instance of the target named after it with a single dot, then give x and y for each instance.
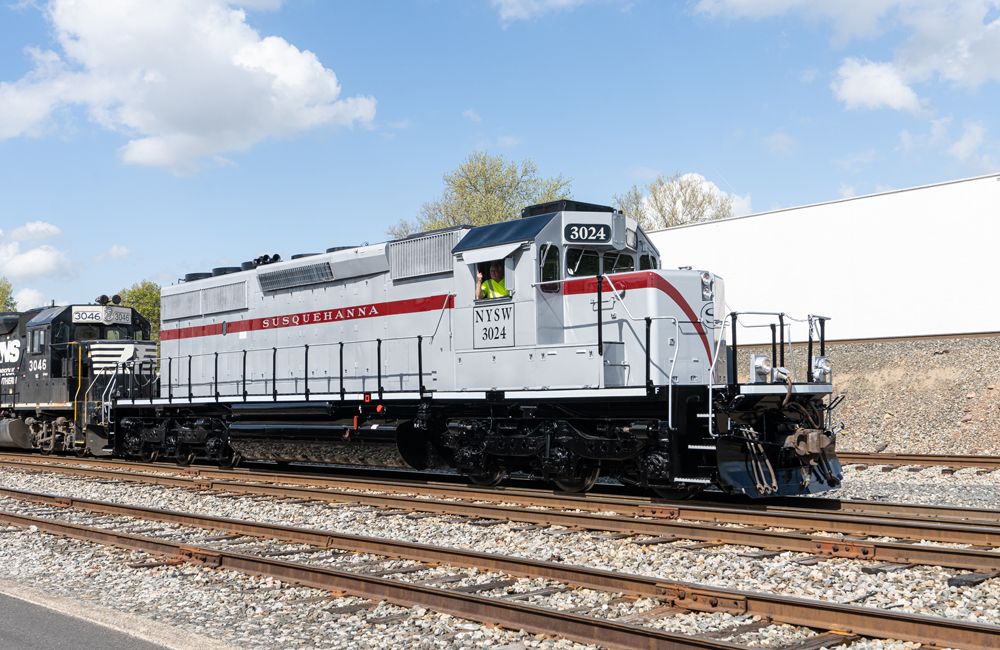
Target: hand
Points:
(479, 277)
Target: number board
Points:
(102, 315)
(493, 326)
(590, 233)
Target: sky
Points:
(147, 139)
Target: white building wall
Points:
(915, 262)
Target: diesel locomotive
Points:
(592, 359)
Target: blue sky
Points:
(145, 140)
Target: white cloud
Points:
(511, 10)
(399, 124)
(966, 149)
(185, 79)
(29, 299)
(33, 230)
(472, 115)
(847, 191)
(742, 205)
(936, 138)
(41, 261)
(116, 252)
(866, 84)
(806, 76)
(883, 188)
(856, 161)
(509, 141)
(956, 41)
(781, 143)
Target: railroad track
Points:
(914, 538)
(411, 575)
(594, 501)
(986, 463)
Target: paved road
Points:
(24, 626)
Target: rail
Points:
(242, 381)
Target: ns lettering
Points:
(10, 351)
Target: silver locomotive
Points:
(553, 345)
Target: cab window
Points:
(647, 262)
(86, 333)
(37, 341)
(616, 262)
(581, 263)
(60, 333)
(549, 269)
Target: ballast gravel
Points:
(918, 590)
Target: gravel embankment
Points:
(935, 396)
(919, 589)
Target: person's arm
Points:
(479, 284)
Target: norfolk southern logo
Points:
(10, 351)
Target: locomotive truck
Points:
(595, 361)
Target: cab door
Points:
(35, 367)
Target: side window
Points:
(37, 341)
(582, 263)
(615, 262)
(549, 269)
(60, 333)
(647, 262)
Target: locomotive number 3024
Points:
(587, 233)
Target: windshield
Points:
(87, 332)
(582, 263)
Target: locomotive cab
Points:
(63, 367)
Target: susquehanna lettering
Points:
(320, 317)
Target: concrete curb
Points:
(142, 628)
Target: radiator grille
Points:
(182, 305)
(411, 258)
(297, 277)
(227, 297)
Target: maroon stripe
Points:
(394, 308)
(643, 280)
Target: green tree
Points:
(144, 297)
(674, 201)
(485, 189)
(7, 302)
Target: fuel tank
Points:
(15, 433)
(371, 443)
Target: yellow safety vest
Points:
(493, 289)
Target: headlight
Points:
(707, 286)
(822, 370)
(761, 369)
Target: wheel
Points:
(185, 458)
(676, 492)
(581, 483)
(490, 478)
(230, 461)
(149, 455)
(81, 452)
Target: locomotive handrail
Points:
(214, 381)
(778, 342)
(673, 360)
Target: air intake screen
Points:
(297, 277)
(182, 305)
(228, 297)
(412, 258)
